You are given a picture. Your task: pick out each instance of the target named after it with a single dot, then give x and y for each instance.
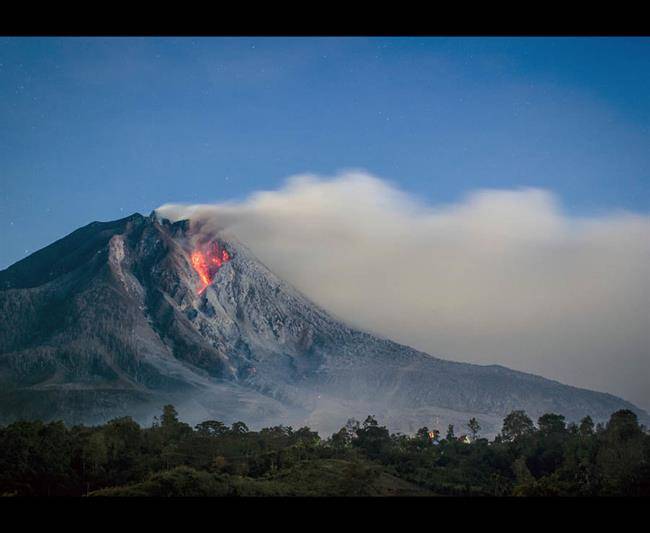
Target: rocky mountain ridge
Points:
(116, 319)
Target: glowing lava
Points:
(207, 261)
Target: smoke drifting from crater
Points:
(503, 276)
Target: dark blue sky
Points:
(95, 129)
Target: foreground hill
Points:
(172, 459)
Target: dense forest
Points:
(171, 458)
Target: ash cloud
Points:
(502, 277)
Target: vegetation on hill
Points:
(170, 458)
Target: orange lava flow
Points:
(207, 261)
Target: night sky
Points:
(98, 128)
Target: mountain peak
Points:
(120, 317)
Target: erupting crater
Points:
(207, 261)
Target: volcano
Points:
(120, 318)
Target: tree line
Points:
(171, 458)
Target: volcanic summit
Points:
(119, 318)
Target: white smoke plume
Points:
(502, 277)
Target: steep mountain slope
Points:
(120, 317)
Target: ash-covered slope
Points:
(115, 319)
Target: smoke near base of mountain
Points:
(503, 276)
